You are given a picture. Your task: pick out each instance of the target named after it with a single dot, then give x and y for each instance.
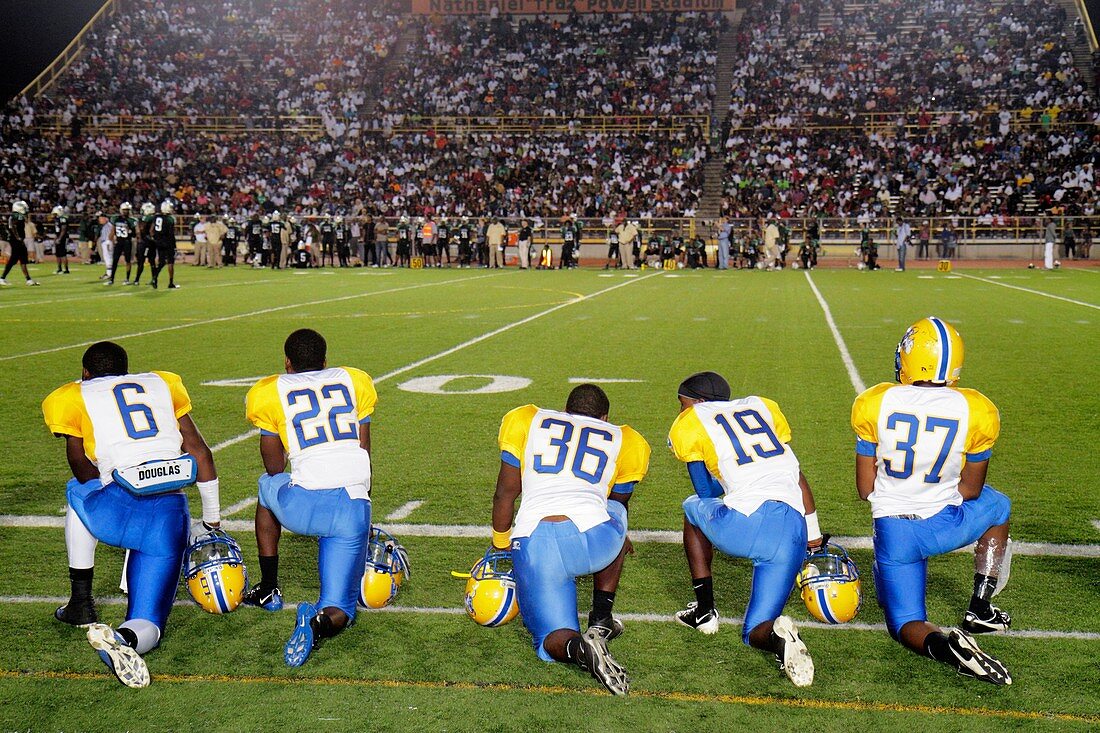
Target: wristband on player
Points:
(211, 501)
(501, 540)
(813, 529)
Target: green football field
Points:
(1031, 337)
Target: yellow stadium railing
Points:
(70, 53)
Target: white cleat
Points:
(706, 623)
(795, 658)
(121, 659)
(971, 661)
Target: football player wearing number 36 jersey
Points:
(319, 418)
(922, 452)
(573, 473)
(132, 446)
(751, 500)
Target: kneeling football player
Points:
(132, 446)
(751, 500)
(573, 473)
(319, 418)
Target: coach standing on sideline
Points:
(215, 236)
(903, 233)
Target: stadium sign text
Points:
(531, 7)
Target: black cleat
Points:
(970, 661)
(991, 622)
(595, 659)
(77, 613)
(707, 622)
(606, 628)
(271, 600)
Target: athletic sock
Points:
(269, 572)
(323, 627)
(573, 650)
(602, 602)
(938, 647)
(80, 582)
(129, 636)
(984, 587)
(704, 593)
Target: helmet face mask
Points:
(215, 573)
(491, 590)
(830, 586)
(930, 351)
(387, 568)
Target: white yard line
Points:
(1033, 292)
(845, 356)
(603, 380)
(473, 531)
(250, 314)
(1096, 523)
(135, 291)
(626, 617)
(238, 507)
(404, 510)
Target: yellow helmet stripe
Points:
(945, 348)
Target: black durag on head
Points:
(706, 386)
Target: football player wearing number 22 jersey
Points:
(132, 446)
(319, 419)
(922, 453)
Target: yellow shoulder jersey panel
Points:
(984, 427)
(181, 401)
(865, 412)
(782, 427)
(633, 461)
(64, 411)
(366, 397)
(690, 442)
(514, 428)
(262, 408)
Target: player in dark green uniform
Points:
(125, 232)
(61, 239)
(163, 228)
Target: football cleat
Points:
(606, 628)
(794, 659)
(76, 613)
(595, 659)
(122, 659)
(994, 621)
(215, 573)
(706, 622)
(930, 351)
(302, 641)
(970, 661)
(271, 600)
(491, 590)
(830, 586)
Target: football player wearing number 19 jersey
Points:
(319, 418)
(922, 452)
(751, 500)
(573, 473)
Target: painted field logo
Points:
(437, 384)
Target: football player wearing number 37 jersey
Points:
(319, 418)
(573, 473)
(132, 446)
(922, 452)
(751, 500)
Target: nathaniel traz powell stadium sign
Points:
(533, 7)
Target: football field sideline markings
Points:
(845, 356)
(446, 352)
(597, 692)
(655, 618)
(664, 537)
(1033, 292)
(404, 510)
(250, 314)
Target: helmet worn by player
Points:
(19, 206)
(830, 586)
(386, 570)
(125, 208)
(166, 207)
(215, 573)
(930, 351)
(491, 589)
(147, 209)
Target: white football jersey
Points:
(317, 416)
(744, 444)
(569, 464)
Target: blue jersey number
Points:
(128, 411)
(562, 445)
(313, 409)
(761, 427)
(907, 445)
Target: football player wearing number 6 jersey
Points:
(319, 418)
(574, 474)
(751, 500)
(922, 453)
(132, 446)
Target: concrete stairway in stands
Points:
(711, 203)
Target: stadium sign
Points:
(535, 7)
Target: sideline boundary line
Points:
(669, 696)
(238, 316)
(1029, 290)
(664, 537)
(845, 356)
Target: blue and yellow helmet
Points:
(829, 585)
(930, 351)
(215, 573)
(387, 568)
(491, 590)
